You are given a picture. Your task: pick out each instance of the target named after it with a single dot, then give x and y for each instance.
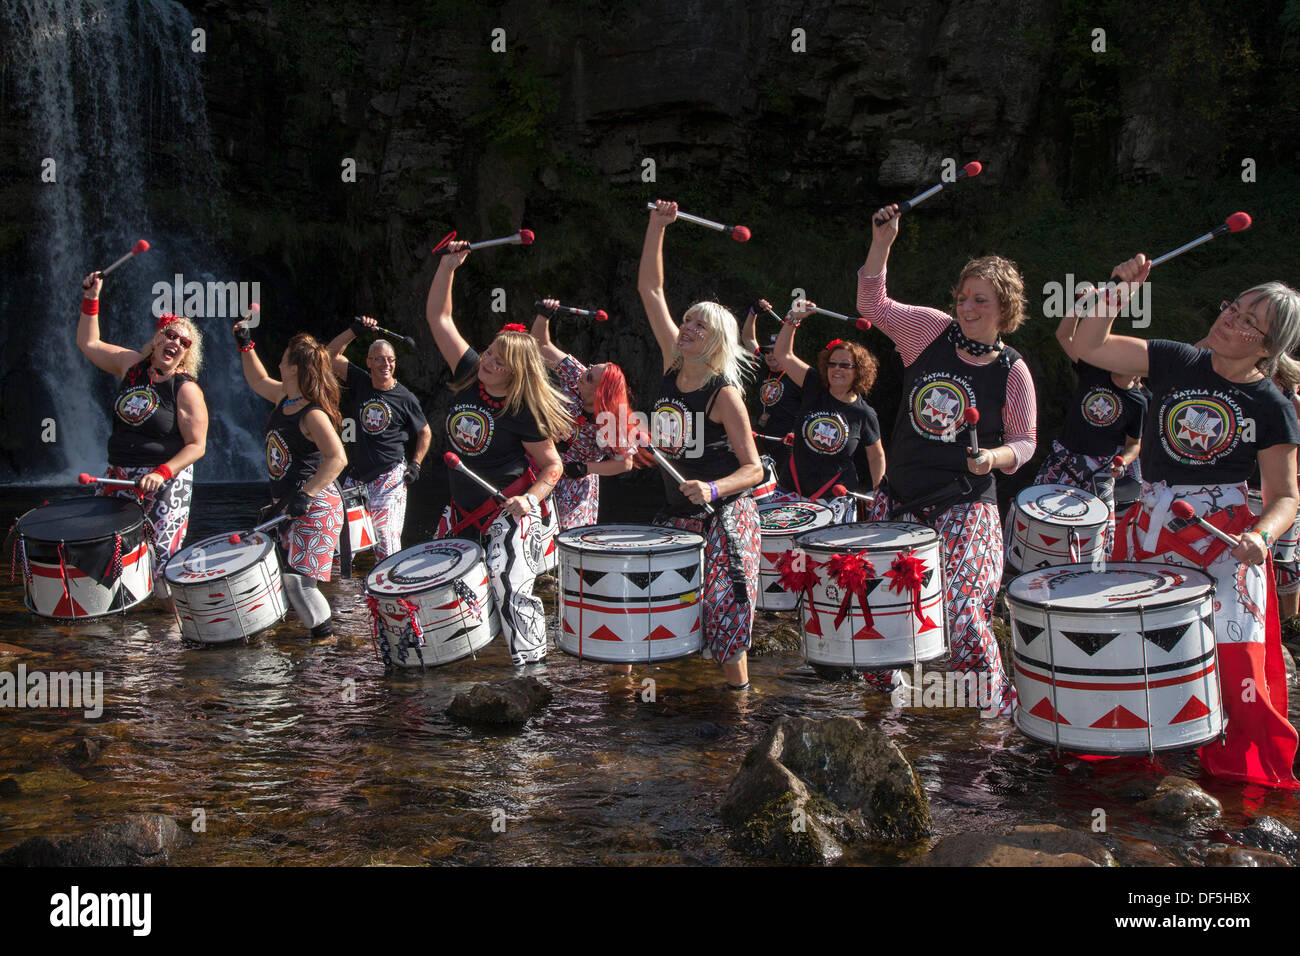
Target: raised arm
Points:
(542, 334)
(254, 372)
(783, 352)
(341, 341)
(650, 280)
(749, 331)
(437, 308)
(109, 358)
(910, 327)
(1093, 340)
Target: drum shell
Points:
(904, 639)
(1127, 493)
(358, 523)
(1033, 542)
(241, 596)
(1101, 697)
(91, 591)
(630, 605)
(774, 545)
(1287, 545)
(764, 489)
(451, 628)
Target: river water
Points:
(286, 769)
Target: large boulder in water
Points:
(140, 839)
(1180, 801)
(1043, 845)
(811, 786)
(509, 702)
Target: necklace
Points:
(494, 403)
(960, 339)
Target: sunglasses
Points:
(174, 336)
(848, 365)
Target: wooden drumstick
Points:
(1183, 509)
(455, 464)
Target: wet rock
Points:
(138, 840)
(52, 780)
(1041, 845)
(780, 638)
(1178, 800)
(811, 786)
(86, 750)
(1223, 855)
(510, 701)
(1266, 833)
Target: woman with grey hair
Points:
(1215, 412)
(701, 425)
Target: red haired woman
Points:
(598, 402)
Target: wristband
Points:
(165, 471)
(713, 491)
(532, 501)
(89, 306)
(243, 337)
(1265, 535)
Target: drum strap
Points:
(817, 495)
(481, 517)
(928, 506)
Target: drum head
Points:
(216, 557)
(423, 567)
(794, 517)
(628, 539)
(81, 519)
(1122, 586)
(869, 536)
(1061, 505)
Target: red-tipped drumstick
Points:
(86, 479)
(1234, 223)
(787, 440)
(861, 323)
(673, 473)
(972, 417)
(140, 246)
(839, 491)
(455, 464)
(524, 237)
(239, 536)
(739, 233)
(970, 170)
(600, 315)
(1183, 509)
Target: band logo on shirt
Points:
(937, 405)
(470, 429)
(826, 433)
(771, 392)
(277, 455)
(673, 426)
(1100, 407)
(1200, 429)
(137, 404)
(375, 416)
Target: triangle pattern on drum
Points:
(1089, 642)
(1166, 637)
(642, 579)
(687, 573)
(1121, 718)
(1043, 711)
(1028, 632)
(603, 633)
(661, 633)
(592, 577)
(1048, 541)
(1194, 709)
(774, 588)
(873, 583)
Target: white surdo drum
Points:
(431, 604)
(357, 520)
(1286, 546)
(780, 524)
(1118, 661)
(874, 596)
(1055, 524)
(630, 593)
(226, 592)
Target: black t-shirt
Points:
(490, 441)
(386, 423)
(1204, 429)
(145, 428)
(675, 429)
(779, 399)
(1102, 414)
(828, 435)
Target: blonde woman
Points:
(160, 420)
(701, 424)
(503, 424)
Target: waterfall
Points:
(111, 93)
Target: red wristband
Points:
(165, 471)
(249, 347)
(89, 306)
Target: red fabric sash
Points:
(483, 516)
(817, 496)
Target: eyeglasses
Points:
(174, 336)
(1235, 313)
(848, 365)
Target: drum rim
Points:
(1062, 608)
(1056, 520)
(138, 524)
(167, 567)
(481, 558)
(932, 539)
(639, 551)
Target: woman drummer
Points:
(160, 421)
(701, 425)
(1215, 413)
(834, 420)
(779, 398)
(502, 424)
(951, 365)
(1102, 434)
(598, 404)
(303, 457)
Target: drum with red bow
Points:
(780, 524)
(872, 594)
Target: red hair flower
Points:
(833, 343)
(514, 327)
(167, 318)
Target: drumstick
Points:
(140, 246)
(757, 308)
(455, 464)
(404, 339)
(739, 233)
(86, 479)
(972, 417)
(237, 537)
(971, 169)
(666, 466)
(524, 237)
(860, 323)
(600, 315)
(839, 491)
(787, 440)
(1183, 509)
(1116, 462)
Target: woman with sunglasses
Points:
(598, 404)
(160, 420)
(834, 420)
(1215, 413)
(502, 424)
(952, 364)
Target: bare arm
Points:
(317, 426)
(542, 334)
(650, 281)
(256, 377)
(550, 470)
(1093, 340)
(749, 331)
(192, 421)
(1065, 330)
(1277, 473)
(437, 307)
(783, 352)
(729, 411)
(109, 358)
(422, 443)
(340, 342)
(876, 462)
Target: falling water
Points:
(112, 97)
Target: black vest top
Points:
(145, 431)
(696, 447)
(291, 457)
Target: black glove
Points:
(360, 328)
(243, 337)
(575, 469)
(296, 505)
(412, 472)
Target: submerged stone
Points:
(1040, 845)
(1179, 800)
(510, 701)
(140, 839)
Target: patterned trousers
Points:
(387, 497)
(578, 500)
(309, 542)
(1064, 467)
(167, 510)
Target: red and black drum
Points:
(1055, 524)
(226, 591)
(779, 525)
(84, 557)
(358, 524)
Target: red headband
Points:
(833, 343)
(166, 318)
(514, 327)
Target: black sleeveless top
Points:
(927, 453)
(145, 430)
(291, 457)
(696, 447)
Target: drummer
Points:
(1102, 422)
(303, 458)
(389, 420)
(950, 365)
(701, 426)
(598, 404)
(779, 398)
(160, 420)
(834, 422)
(502, 424)
(1215, 413)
